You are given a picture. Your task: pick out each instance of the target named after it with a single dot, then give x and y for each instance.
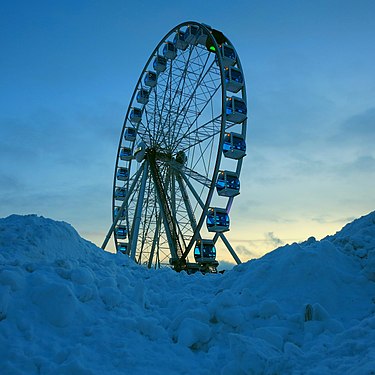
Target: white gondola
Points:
(122, 247)
(217, 220)
(233, 79)
(126, 154)
(130, 134)
(140, 152)
(135, 115)
(160, 63)
(120, 193)
(236, 109)
(228, 55)
(179, 40)
(122, 174)
(143, 96)
(192, 34)
(205, 252)
(228, 184)
(169, 50)
(121, 232)
(234, 146)
(151, 79)
(122, 216)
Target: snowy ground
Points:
(67, 307)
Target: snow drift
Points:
(67, 307)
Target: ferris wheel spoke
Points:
(178, 91)
(157, 117)
(203, 180)
(191, 132)
(209, 130)
(197, 113)
(192, 189)
(186, 106)
(203, 156)
(164, 103)
(145, 130)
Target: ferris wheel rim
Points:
(211, 190)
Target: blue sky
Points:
(69, 68)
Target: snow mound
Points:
(40, 238)
(68, 307)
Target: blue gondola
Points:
(169, 50)
(236, 110)
(143, 96)
(122, 247)
(126, 154)
(120, 193)
(121, 232)
(192, 34)
(205, 251)
(122, 174)
(160, 63)
(151, 79)
(234, 146)
(130, 134)
(217, 220)
(228, 55)
(228, 184)
(233, 79)
(122, 216)
(202, 37)
(179, 40)
(135, 115)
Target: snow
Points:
(67, 307)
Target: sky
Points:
(68, 70)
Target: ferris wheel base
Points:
(201, 267)
(190, 267)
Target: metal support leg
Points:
(187, 203)
(154, 242)
(196, 195)
(230, 248)
(138, 213)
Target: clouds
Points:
(60, 164)
(271, 238)
(327, 219)
(244, 251)
(357, 131)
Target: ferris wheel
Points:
(180, 152)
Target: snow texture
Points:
(67, 307)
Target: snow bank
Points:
(67, 307)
